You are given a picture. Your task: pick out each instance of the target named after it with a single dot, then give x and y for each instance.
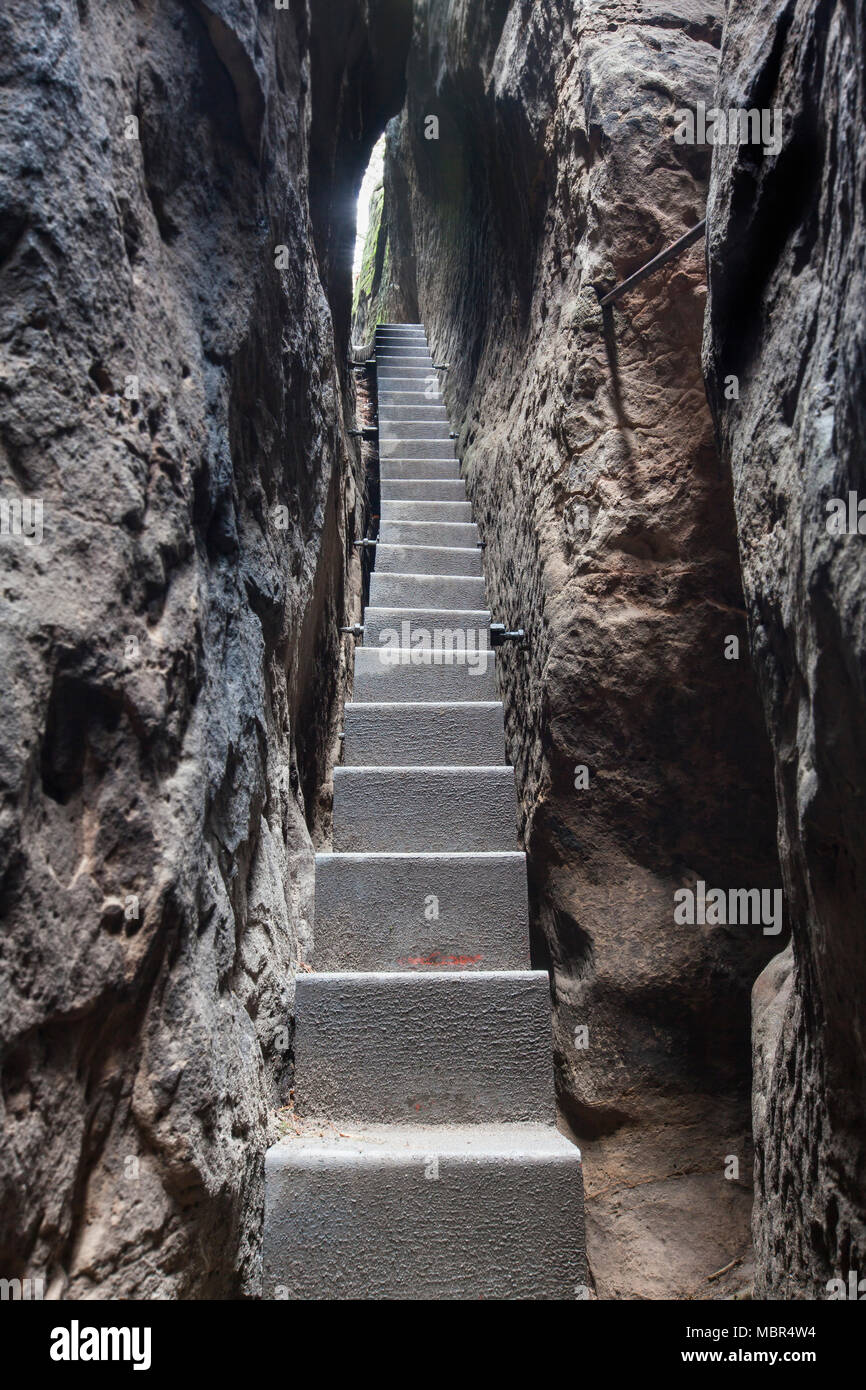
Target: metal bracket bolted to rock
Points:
(427, 1163)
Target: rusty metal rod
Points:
(692, 235)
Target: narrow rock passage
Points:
(428, 1165)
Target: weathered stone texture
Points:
(787, 317)
(170, 651)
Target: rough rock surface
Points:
(170, 649)
(589, 453)
(787, 316)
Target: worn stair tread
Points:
(427, 628)
(415, 396)
(404, 678)
(417, 806)
(373, 911)
(422, 490)
(424, 1047)
(390, 589)
(414, 429)
(424, 732)
(390, 357)
(392, 470)
(418, 448)
(424, 511)
(448, 534)
(425, 1213)
(423, 470)
(410, 557)
(391, 370)
(399, 1143)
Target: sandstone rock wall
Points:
(609, 527)
(174, 393)
(786, 317)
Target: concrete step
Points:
(420, 448)
(422, 490)
(423, 410)
(425, 511)
(392, 469)
(386, 352)
(391, 372)
(401, 342)
(424, 734)
(390, 362)
(443, 629)
(425, 1212)
(408, 341)
(437, 533)
(428, 559)
(414, 429)
(424, 808)
(456, 1047)
(419, 470)
(423, 385)
(402, 357)
(395, 347)
(421, 912)
(419, 398)
(383, 674)
(426, 591)
(476, 1212)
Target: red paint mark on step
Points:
(437, 958)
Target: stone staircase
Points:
(428, 1164)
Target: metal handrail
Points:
(692, 235)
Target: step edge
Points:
(439, 549)
(472, 979)
(428, 608)
(389, 769)
(424, 704)
(431, 1139)
(380, 854)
